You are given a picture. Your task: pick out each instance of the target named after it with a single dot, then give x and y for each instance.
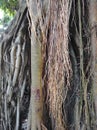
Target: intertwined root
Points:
(14, 73)
(34, 56)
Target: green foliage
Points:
(6, 18)
(9, 6)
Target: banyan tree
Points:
(48, 66)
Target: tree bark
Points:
(47, 63)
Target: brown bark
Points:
(93, 24)
(48, 41)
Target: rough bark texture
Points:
(47, 63)
(93, 21)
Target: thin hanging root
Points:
(23, 51)
(9, 90)
(18, 114)
(1, 54)
(5, 109)
(29, 118)
(13, 53)
(17, 65)
(9, 93)
(43, 127)
(23, 88)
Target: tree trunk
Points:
(47, 67)
(93, 20)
